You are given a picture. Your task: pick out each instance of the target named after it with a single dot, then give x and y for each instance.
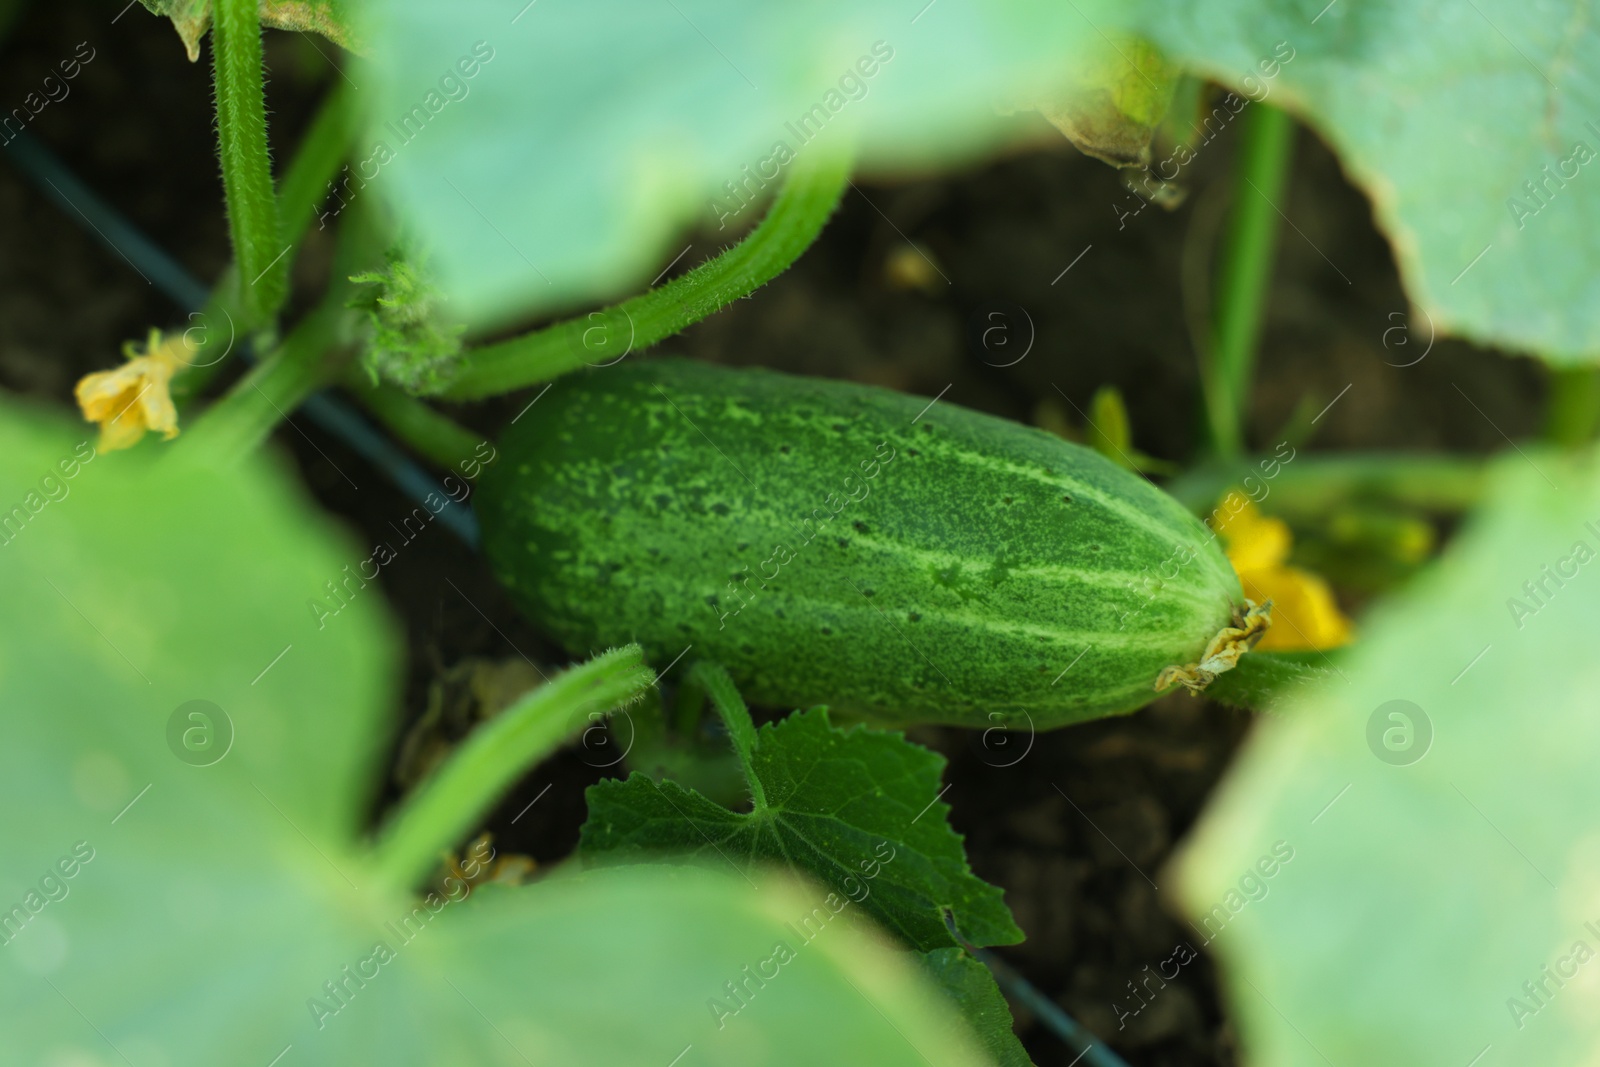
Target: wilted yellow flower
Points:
(136, 396)
(1304, 612)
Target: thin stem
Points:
(258, 246)
(1314, 484)
(223, 320)
(736, 717)
(317, 159)
(445, 807)
(237, 424)
(430, 433)
(802, 207)
(1267, 142)
(1572, 413)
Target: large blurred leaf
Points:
(597, 130)
(156, 911)
(1442, 854)
(1441, 110)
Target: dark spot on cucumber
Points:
(912, 452)
(653, 551)
(927, 427)
(784, 449)
(827, 631)
(1005, 500)
(867, 592)
(742, 546)
(1094, 548)
(860, 526)
(1066, 500)
(915, 616)
(719, 509)
(839, 427)
(843, 543)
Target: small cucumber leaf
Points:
(1437, 808)
(856, 809)
(972, 987)
(331, 18)
(202, 894)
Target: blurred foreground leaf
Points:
(1474, 127)
(562, 166)
(1442, 811)
(188, 884)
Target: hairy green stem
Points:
(258, 247)
(736, 717)
(808, 197)
(1263, 170)
(237, 424)
(430, 433)
(455, 797)
(223, 321)
(1572, 413)
(1311, 485)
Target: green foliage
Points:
(1442, 113)
(969, 984)
(856, 809)
(412, 343)
(212, 903)
(1444, 853)
(1411, 95)
(623, 140)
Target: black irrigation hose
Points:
(332, 414)
(326, 410)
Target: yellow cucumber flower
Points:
(135, 397)
(1304, 612)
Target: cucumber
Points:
(833, 543)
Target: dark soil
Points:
(1077, 830)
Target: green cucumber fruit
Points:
(832, 543)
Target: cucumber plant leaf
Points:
(190, 883)
(1441, 811)
(856, 809)
(331, 18)
(688, 118)
(1474, 128)
(968, 983)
